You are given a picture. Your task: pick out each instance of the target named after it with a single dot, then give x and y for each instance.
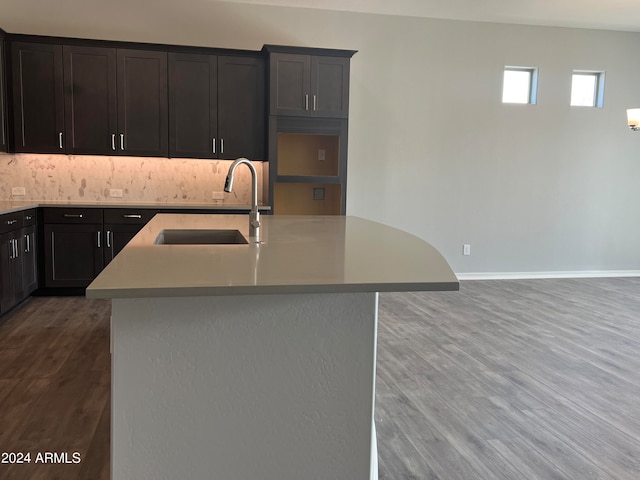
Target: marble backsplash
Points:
(142, 179)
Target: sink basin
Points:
(200, 237)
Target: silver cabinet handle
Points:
(214, 146)
(99, 235)
(73, 215)
(15, 248)
(113, 141)
(11, 222)
(315, 103)
(122, 141)
(11, 251)
(60, 139)
(108, 238)
(28, 217)
(222, 145)
(28, 244)
(131, 215)
(306, 101)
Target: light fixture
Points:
(633, 118)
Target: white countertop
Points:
(298, 254)
(11, 206)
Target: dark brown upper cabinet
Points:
(241, 107)
(38, 98)
(3, 100)
(216, 106)
(193, 105)
(90, 100)
(142, 103)
(309, 85)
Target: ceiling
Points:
(599, 14)
(46, 17)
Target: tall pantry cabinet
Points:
(308, 129)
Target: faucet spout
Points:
(254, 215)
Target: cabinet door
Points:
(90, 100)
(290, 80)
(28, 247)
(7, 297)
(117, 237)
(73, 254)
(38, 98)
(330, 86)
(12, 290)
(142, 103)
(3, 102)
(193, 105)
(241, 109)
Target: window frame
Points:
(598, 91)
(532, 98)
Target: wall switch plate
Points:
(321, 154)
(115, 192)
(466, 249)
(17, 191)
(217, 195)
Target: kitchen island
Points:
(255, 360)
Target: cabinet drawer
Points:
(29, 217)
(73, 215)
(128, 216)
(10, 222)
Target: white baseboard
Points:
(535, 275)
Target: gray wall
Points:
(544, 188)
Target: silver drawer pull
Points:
(113, 141)
(306, 102)
(60, 139)
(99, 235)
(28, 217)
(214, 146)
(122, 141)
(28, 244)
(11, 222)
(131, 215)
(222, 145)
(315, 103)
(73, 215)
(108, 238)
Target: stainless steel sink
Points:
(200, 237)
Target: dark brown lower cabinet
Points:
(117, 237)
(73, 254)
(18, 258)
(29, 247)
(121, 225)
(12, 289)
(73, 246)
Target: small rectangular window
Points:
(520, 85)
(587, 89)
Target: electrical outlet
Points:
(115, 192)
(321, 154)
(466, 249)
(18, 191)
(217, 195)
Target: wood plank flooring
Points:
(527, 380)
(54, 387)
(513, 380)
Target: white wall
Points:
(431, 149)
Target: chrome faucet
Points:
(254, 215)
